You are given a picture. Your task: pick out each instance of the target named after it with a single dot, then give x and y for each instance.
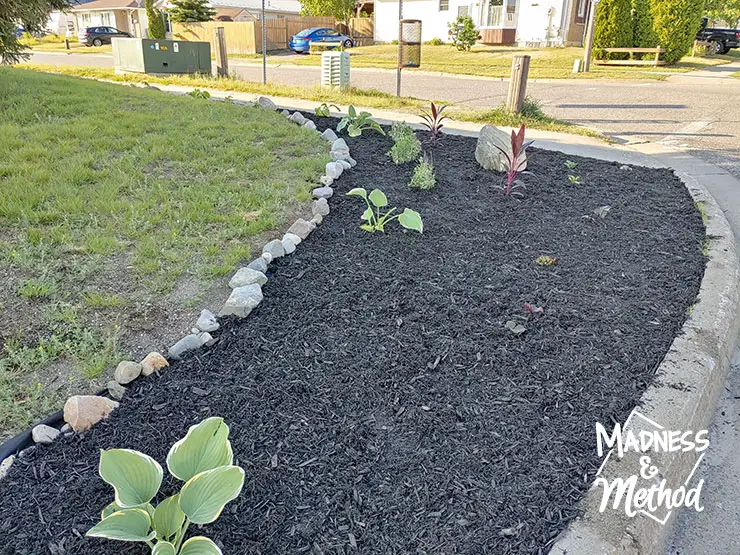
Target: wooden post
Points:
(590, 35)
(657, 56)
(518, 83)
(66, 43)
(222, 61)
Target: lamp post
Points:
(590, 35)
(264, 46)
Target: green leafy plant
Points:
(432, 120)
(405, 149)
(436, 41)
(202, 459)
(399, 130)
(197, 93)
(546, 260)
(575, 180)
(156, 21)
(375, 220)
(515, 162)
(463, 33)
(675, 23)
(570, 164)
(356, 123)
(324, 111)
(423, 177)
(613, 28)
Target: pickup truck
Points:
(721, 40)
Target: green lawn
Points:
(495, 61)
(118, 205)
(55, 43)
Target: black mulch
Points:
(376, 400)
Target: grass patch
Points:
(367, 98)
(495, 61)
(55, 43)
(107, 185)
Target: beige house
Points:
(125, 15)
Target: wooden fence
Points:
(245, 37)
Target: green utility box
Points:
(161, 56)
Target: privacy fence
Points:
(245, 37)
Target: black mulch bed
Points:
(376, 398)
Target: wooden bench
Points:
(657, 62)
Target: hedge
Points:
(613, 28)
(676, 23)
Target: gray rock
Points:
(266, 103)
(127, 371)
(317, 219)
(339, 155)
(243, 300)
(247, 276)
(302, 228)
(326, 181)
(322, 192)
(187, 343)
(267, 257)
(288, 245)
(207, 320)
(207, 339)
(116, 390)
(329, 135)
(26, 452)
(320, 207)
(308, 124)
(66, 428)
(259, 264)
(334, 170)
(44, 434)
(352, 161)
(297, 117)
(5, 466)
(293, 238)
(346, 165)
(274, 248)
(286, 113)
(486, 153)
(339, 144)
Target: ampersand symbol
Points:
(647, 471)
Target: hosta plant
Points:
(432, 120)
(356, 123)
(202, 460)
(324, 110)
(516, 161)
(377, 214)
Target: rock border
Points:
(82, 412)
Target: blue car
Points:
(323, 35)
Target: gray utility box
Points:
(161, 56)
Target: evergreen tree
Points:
(156, 22)
(675, 23)
(32, 14)
(613, 28)
(643, 34)
(190, 11)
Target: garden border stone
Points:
(698, 360)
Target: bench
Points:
(657, 62)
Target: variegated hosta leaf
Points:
(411, 219)
(131, 525)
(168, 517)
(357, 191)
(378, 198)
(206, 446)
(164, 548)
(199, 545)
(135, 477)
(203, 497)
(109, 510)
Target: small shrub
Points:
(197, 93)
(436, 41)
(319, 48)
(575, 180)
(423, 177)
(463, 32)
(324, 110)
(376, 221)
(546, 260)
(405, 149)
(356, 123)
(202, 459)
(399, 130)
(432, 120)
(515, 162)
(570, 164)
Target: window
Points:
(85, 19)
(581, 11)
(105, 18)
(495, 8)
(444, 5)
(462, 11)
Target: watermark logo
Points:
(647, 492)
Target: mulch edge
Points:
(684, 397)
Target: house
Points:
(125, 15)
(522, 22)
(250, 10)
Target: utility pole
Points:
(264, 46)
(398, 68)
(590, 35)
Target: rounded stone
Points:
(44, 434)
(127, 371)
(153, 362)
(82, 412)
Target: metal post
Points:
(222, 60)
(398, 69)
(518, 83)
(264, 46)
(589, 43)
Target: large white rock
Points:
(246, 276)
(82, 412)
(487, 155)
(44, 434)
(266, 103)
(242, 301)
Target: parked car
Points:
(98, 36)
(721, 40)
(302, 41)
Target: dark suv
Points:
(98, 36)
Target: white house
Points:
(525, 22)
(124, 15)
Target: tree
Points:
(190, 11)
(643, 33)
(676, 23)
(613, 27)
(463, 33)
(156, 23)
(723, 10)
(32, 14)
(342, 10)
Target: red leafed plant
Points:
(515, 162)
(432, 120)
